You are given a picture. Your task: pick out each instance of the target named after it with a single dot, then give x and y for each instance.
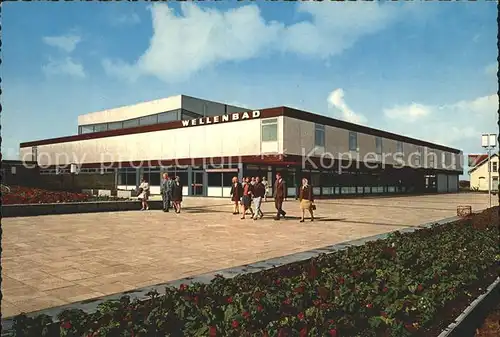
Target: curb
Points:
(472, 317)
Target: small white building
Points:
(479, 174)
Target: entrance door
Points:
(197, 185)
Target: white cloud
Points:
(67, 43)
(409, 113)
(458, 124)
(336, 100)
(125, 19)
(183, 44)
(65, 66)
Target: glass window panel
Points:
(101, 127)
(270, 121)
(269, 132)
(86, 129)
(189, 115)
(353, 141)
(168, 116)
(154, 178)
(319, 135)
(399, 147)
(130, 179)
(378, 145)
(131, 123)
(148, 120)
(115, 125)
(214, 179)
(227, 178)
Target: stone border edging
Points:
(467, 322)
(23, 210)
(90, 305)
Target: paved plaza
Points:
(49, 261)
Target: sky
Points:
(427, 70)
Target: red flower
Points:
(331, 321)
(333, 332)
(196, 299)
(385, 289)
(303, 332)
(212, 331)
(183, 287)
(341, 280)
(66, 325)
(301, 316)
(260, 308)
(383, 314)
(277, 281)
(235, 324)
(229, 300)
(316, 303)
(299, 290)
(369, 305)
(287, 301)
(246, 314)
(420, 287)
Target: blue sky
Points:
(427, 70)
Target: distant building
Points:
(207, 143)
(479, 174)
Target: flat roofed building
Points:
(207, 150)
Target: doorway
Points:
(197, 184)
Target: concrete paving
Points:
(53, 260)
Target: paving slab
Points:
(59, 259)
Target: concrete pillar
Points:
(240, 171)
(190, 181)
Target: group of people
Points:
(243, 194)
(171, 193)
(254, 190)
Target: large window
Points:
(494, 166)
(189, 115)
(101, 127)
(353, 141)
(168, 116)
(148, 120)
(378, 145)
(319, 135)
(399, 147)
(115, 125)
(126, 177)
(270, 130)
(214, 179)
(131, 123)
(86, 129)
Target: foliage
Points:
(28, 195)
(393, 287)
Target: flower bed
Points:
(28, 195)
(411, 284)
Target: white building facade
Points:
(206, 144)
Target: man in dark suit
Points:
(166, 192)
(279, 196)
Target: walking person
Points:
(144, 194)
(266, 186)
(252, 181)
(236, 194)
(259, 191)
(306, 198)
(279, 196)
(177, 194)
(167, 186)
(246, 199)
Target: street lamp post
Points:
(489, 142)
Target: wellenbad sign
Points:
(222, 119)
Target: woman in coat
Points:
(306, 198)
(144, 194)
(236, 194)
(177, 194)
